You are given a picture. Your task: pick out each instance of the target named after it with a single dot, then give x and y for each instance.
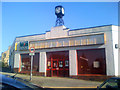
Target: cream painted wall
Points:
(72, 62)
(59, 32)
(42, 62)
(16, 60)
(115, 50)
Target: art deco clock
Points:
(59, 12)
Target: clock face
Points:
(62, 10)
(57, 10)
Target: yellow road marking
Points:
(69, 87)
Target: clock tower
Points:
(59, 12)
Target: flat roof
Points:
(90, 27)
(66, 28)
(30, 35)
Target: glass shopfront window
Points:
(26, 62)
(58, 63)
(91, 61)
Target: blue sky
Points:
(26, 18)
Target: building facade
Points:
(63, 52)
(5, 57)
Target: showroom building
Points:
(65, 52)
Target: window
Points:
(54, 64)
(66, 63)
(26, 62)
(91, 61)
(60, 63)
(49, 63)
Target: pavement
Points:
(58, 82)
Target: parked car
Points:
(15, 83)
(113, 82)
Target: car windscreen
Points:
(111, 83)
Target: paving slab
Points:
(58, 82)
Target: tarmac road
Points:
(58, 82)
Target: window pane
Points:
(91, 61)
